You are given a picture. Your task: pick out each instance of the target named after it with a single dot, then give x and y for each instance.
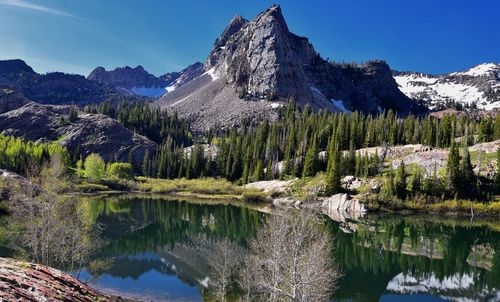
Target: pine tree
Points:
(468, 177)
(400, 181)
(146, 164)
(416, 182)
(311, 160)
(332, 178)
(259, 171)
(389, 188)
(453, 167)
(497, 175)
(73, 113)
(351, 159)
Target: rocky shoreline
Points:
(24, 281)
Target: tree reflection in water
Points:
(53, 231)
(379, 256)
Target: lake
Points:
(156, 249)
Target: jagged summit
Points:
(258, 65)
(134, 81)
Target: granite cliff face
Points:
(89, 133)
(256, 66)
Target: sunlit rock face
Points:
(256, 66)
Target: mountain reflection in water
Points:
(158, 249)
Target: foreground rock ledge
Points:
(24, 281)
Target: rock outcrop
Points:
(269, 186)
(23, 281)
(11, 99)
(88, 133)
(256, 66)
(341, 207)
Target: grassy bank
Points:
(455, 207)
(205, 188)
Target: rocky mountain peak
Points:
(130, 80)
(261, 57)
(272, 15)
(234, 25)
(179, 78)
(257, 65)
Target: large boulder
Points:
(341, 207)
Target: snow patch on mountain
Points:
(213, 74)
(480, 85)
(479, 70)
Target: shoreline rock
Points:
(339, 207)
(24, 281)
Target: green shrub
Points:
(90, 188)
(210, 186)
(121, 171)
(95, 167)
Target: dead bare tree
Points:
(51, 228)
(291, 260)
(224, 261)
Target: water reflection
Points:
(173, 238)
(447, 259)
(158, 249)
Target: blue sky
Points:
(433, 36)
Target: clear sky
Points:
(434, 36)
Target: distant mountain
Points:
(479, 85)
(177, 79)
(130, 80)
(57, 87)
(255, 66)
(137, 81)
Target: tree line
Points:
(154, 123)
(18, 155)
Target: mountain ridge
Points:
(477, 86)
(256, 66)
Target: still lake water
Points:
(152, 249)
